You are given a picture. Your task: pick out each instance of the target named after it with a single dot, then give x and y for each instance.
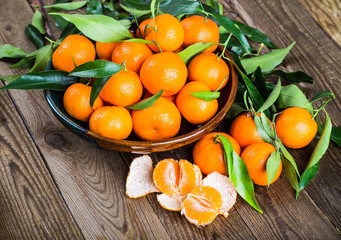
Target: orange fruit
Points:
(169, 33)
(255, 157)
(176, 178)
(202, 205)
(200, 29)
(122, 89)
(134, 54)
(142, 27)
(112, 122)
(193, 109)
(165, 71)
(244, 130)
(76, 102)
(210, 69)
(74, 50)
(208, 155)
(295, 127)
(104, 50)
(171, 98)
(160, 121)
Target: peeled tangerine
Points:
(182, 188)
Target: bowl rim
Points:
(145, 146)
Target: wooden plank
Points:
(327, 13)
(316, 54)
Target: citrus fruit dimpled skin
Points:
(197, 29)
(169, 33)
(122, 89)
(209, 69)
(74, 50)
(104, 50)
(76, 102)
(165, 71)
(195, 110)
(209, 155)
(295, 127)
(112, 122)
(243, 129)
(255, 157)
(134, 54)
(160, 121)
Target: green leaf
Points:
(319, 151)
(256, 98)
(242, 182)
(138, 13)
(228, 153)
(51, 80)
(193, 50)
(60, 22)
(34, 35)
(10, 78)
(216, 5)
(264, 131)
(254, 34)
(9, 51)
(97, 88)
(285, 154)
(272, 97)
(146, 103)
(138, 40)
(235, 110)
(260, 83)
(96, 69)
(206, 95)
(290, 172)
(336, 135)
(94, 7)
(125, 23)
(293, 77)
(267, 125)
(232, 28)
(67, 6)
(69, 29)
(62, 1)
(322, 94)
(23, 63)
(98, 27)
(272, 165)
(292, 96)
(38, 22)
(43, 57)
(267, 62)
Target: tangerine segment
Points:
(296, 127)
(167, 31)
(112, 122)
(202, 205)
(189, 177)
(210, 69)
(255, 157)
(165, 71)
(200, 29)
(140, 177)
(166, 176)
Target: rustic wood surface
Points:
(55, 185)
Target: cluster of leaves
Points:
(105, 21)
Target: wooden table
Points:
(55, 185)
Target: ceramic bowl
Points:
(188, 133)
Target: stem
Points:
(225, 45)
(322, 107)
(124, 66)
(51, 41)
(222, 83)
(155, 42)
(137, 23)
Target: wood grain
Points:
(327, 13)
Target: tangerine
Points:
(134, 54)
(76, 102)
(104, 50)
(209, 154)
(210, 69)
(142, 27)
(193, 109)
(122, 89)
(167, 31)
(112, 122)
(73, 51)
(296, 127)
(160, 121)
(165, 71)
(200, 29)
(255, 157)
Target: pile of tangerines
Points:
(148, 69)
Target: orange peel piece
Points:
(172, 203)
